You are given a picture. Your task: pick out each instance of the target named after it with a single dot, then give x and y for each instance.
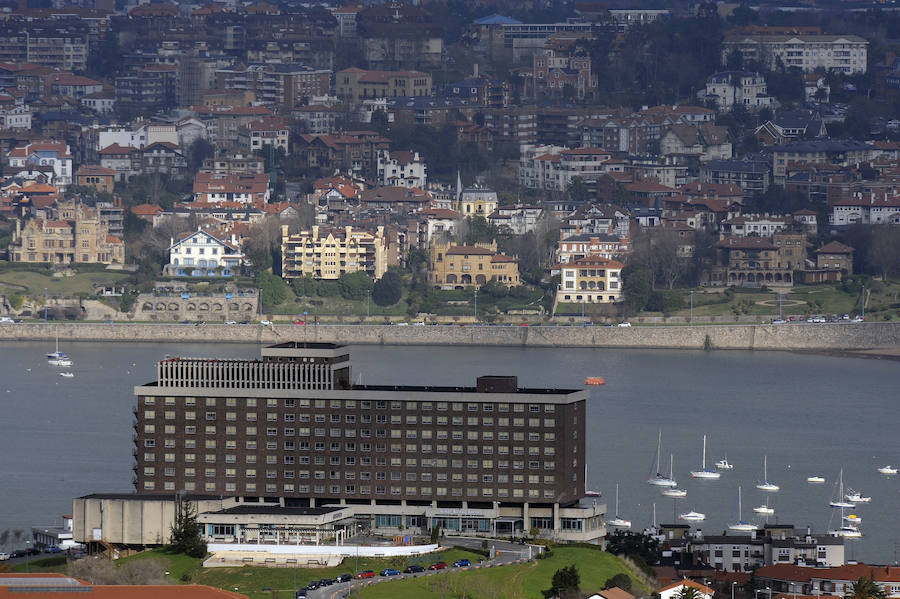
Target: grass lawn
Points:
(177, 564)
(35, 283)
(520, 581)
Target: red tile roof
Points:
(146, 210)
(835, 247)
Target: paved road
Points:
(508, 553)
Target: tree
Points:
(621, 580)
(866, 588)
(355, 285)
(272, 289)
(186, 532)
(388, 289)
(578, 191)
(636, 287)
(197, 152)
(688, 592)
(565, 583)
(884, 253)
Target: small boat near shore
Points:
(67, 375)
(815, 480)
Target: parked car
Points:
(18, 553)
(4, 557)
(313, 585)
(413, 569)
(299, 322)
(366, 574)
(300, 594)
(437, 566)
(230, 322)
(779, 321)
(326, 582)
(265, 323)
(625, 324)
(462, 563)
(857, 319)
(52, 549)
(816, 319)
(390, 572)
(344, 578)
(6, 320)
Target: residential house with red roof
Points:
(554, 168)
(126, 161)
(241, 188)
(163, 157)
(98, 177)
(257, 135)
(865, 209)
(461, 266)
(50, 585)
(55, 155)
(75, 86)
(592, 279)
(675, 589)
(704, 141)
(353, 151)
(395, 200)
(759, 261)
(837, 580)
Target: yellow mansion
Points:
(459, 266)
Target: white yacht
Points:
(764, 509)
(741, 525)
(724, 464)
(766, 485)
(889, 470)
(815, 480)
(692, 516)
(704, 472)
(856, 497)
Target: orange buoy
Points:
(594, 380)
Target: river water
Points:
(61, 438)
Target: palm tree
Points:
(865, 588)
(688, 592)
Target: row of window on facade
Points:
(456, 406)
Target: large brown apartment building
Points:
(292, 428)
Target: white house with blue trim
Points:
(204, 254)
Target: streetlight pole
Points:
(780, 313)
(368, 295)
(732, 589)
(582, 312)
(692, 320)
(27, 555)
(45, 304)
(476, 304)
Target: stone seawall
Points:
(810, 337)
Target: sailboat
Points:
(741, 525)
(618, 521)
(57, 358)
(841, 503)
(660, 480)
(766, 485)
(673, 491)
(705, 472)
(848, 528)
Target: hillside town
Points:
(199, 143)
(483, 165)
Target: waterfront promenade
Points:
(832, 337)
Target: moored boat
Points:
(692, 516)
(594, 380)
(815, 480)
(889, 470)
